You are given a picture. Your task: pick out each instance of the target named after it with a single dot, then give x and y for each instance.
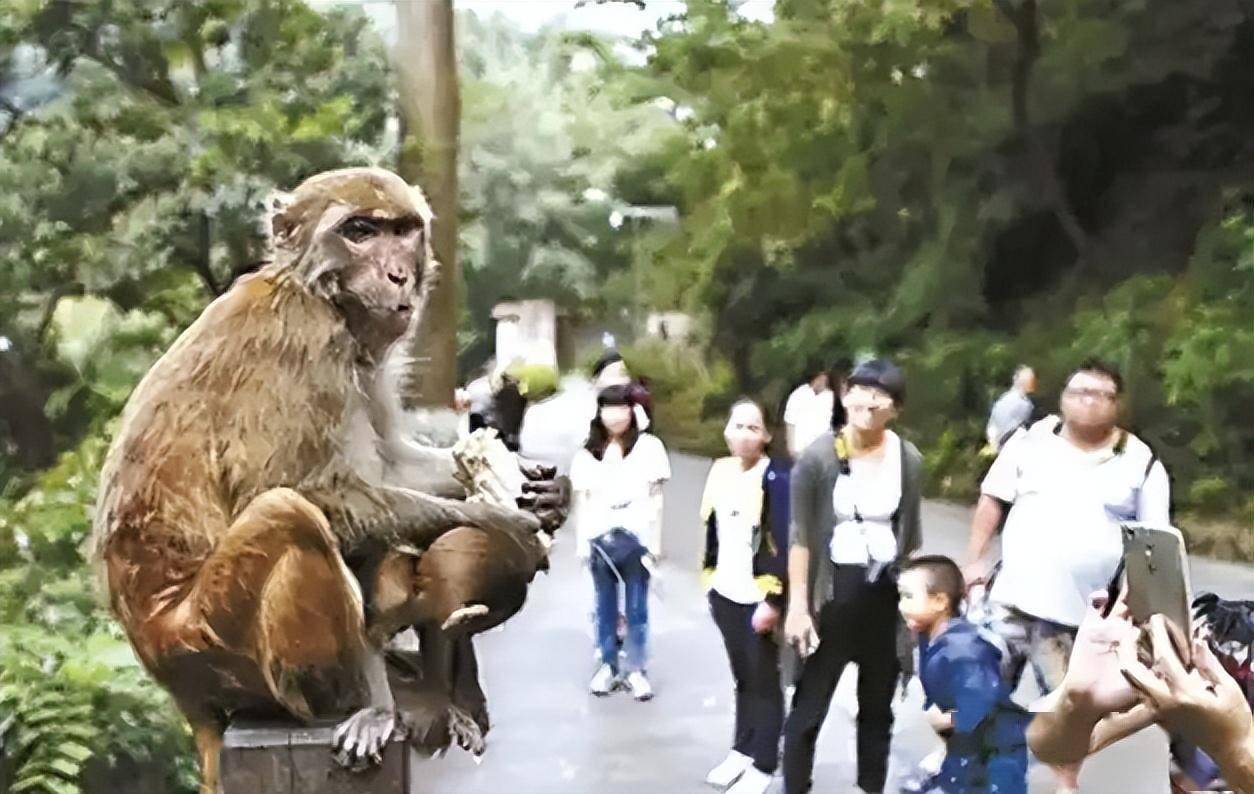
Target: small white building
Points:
(526, 331)
(669, 326)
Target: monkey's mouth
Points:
(404, 308)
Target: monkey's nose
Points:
(396, 278)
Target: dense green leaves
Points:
(964, 186)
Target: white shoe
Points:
(732, 767)
(753, 781)
(639, 686)
(604, 681)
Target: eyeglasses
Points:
(1092, 394)
(870, 407)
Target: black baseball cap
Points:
(880, 374)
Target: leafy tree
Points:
(965, 185)
(549, 136)
(140, 143)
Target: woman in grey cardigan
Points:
(855, 517)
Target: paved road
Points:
(551, 737)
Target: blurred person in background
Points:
(745, 512)
(1012, 410)
(855, 517)
(808, 411)
(617, 481)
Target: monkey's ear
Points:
(282, 223)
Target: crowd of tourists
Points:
(815, 554)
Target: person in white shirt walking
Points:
(808, 412)
(745, 511)
(617, 481)
(1063, 486)
(1012, 410)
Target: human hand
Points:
(976, 572)
(1094, 683)
(800, 633)
(765, 618)
(1204, 705)
(941, 721)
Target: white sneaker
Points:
(732, 767)
(603, 682)
(753, 781)
(639, 686)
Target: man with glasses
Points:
(1068, 483)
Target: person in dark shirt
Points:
(967, 698)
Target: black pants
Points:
(755, 667)
(860, 627)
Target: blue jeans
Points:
(635, 587)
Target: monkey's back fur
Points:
(246, 400)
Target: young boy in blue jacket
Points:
(968, 702)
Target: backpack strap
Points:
(902, 496)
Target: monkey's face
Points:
(383, 260)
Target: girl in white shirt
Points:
(745, 511)
(617, 483)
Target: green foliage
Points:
(535, 381)
(77, 712)
(966, 186)
(690, 396)
(151, 136)
(543, 139)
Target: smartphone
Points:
(1156, 569)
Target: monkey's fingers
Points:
(536, 471)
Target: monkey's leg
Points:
(467, 581)
(275, 617)
(208, 737)
(467, 690)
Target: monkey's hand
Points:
(359, 741)
(545, 495)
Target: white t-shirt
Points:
(739, 511)
(614, 492)
(1061, 541)
(809, 414)
(864, 503)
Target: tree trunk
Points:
(430, 109)
(22, 413)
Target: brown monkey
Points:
(254, 456)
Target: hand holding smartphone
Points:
(1155, 571)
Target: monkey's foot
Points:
(464, 730)
(466, 613)
(358, 741)
(434, 729)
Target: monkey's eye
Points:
(358, 229)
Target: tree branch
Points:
(50, 306)
(203, 261)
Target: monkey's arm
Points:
(358, 510)
(409, 464)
